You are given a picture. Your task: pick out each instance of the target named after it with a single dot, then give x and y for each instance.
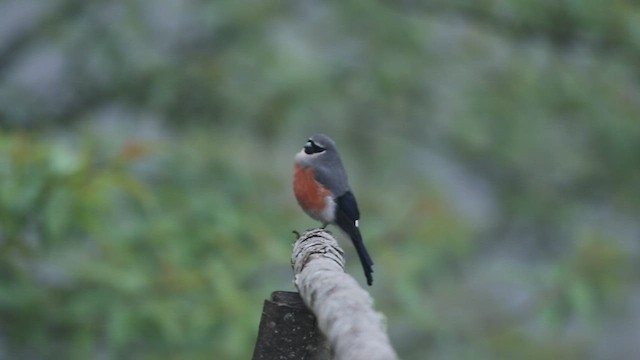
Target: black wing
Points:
(347, 214)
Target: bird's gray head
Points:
(320, 153)
(318, 144)
(319, 150)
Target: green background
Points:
(146, 152)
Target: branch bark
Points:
(344, 311)
(288, 331)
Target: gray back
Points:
(328, 166)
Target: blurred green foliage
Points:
(146, 153)
(95, 259)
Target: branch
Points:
(288, 331)
(343, 309)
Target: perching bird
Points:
(322, 190)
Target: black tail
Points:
(349, 227)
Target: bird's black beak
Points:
(308, 147)
(312, 148)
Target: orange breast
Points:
(309, 193)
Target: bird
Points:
(322, 190)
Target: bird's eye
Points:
(312, 148)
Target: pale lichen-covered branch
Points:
(343, 309)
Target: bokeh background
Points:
(146, 155)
